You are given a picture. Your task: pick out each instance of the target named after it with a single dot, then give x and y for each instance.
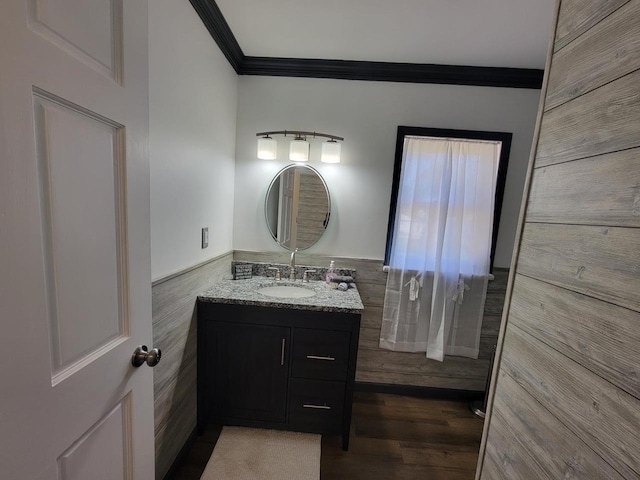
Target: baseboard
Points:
(422, 392)
(181, 455)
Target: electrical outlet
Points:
(205, 237)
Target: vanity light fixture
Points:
(299, 146)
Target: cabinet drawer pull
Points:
(317, 407)
(316, 357)
(282, 352)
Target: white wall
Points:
(192, 105)
(367, 114)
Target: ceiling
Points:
(490, 33)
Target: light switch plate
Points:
(205, 237)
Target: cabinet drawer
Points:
(320, 354)
(316, 405)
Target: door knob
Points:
(142, 355)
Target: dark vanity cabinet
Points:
(276, 368)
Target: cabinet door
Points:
(250, 371)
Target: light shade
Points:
(299, 150)
(267, 148)
(330, 152)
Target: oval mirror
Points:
(297, 207)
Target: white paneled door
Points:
(75, 294)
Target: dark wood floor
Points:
(392, 438)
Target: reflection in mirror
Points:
(297, 207)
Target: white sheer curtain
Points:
(439, 265)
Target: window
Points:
(423, 177)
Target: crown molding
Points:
(220, 31)
(393, 72)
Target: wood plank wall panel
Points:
(583, 328)
(601, 262)
(578, 16)
(604, 53)
(566, 399)
(493, 468)
(174, 378)
(574, 130)
(510, 460)
(601, 190)
(601, 415)
(538, 444)
(376, 365)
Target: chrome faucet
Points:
(292, 265)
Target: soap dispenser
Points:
(331, 272)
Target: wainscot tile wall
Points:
(174, 378)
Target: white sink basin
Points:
(286, 291)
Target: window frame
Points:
(503, 163)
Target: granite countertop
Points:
(244, 292)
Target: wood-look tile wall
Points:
(566, 401)
(376, 365)
(174, 378)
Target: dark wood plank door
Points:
(250, 371)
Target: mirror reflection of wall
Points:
(297, 207)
